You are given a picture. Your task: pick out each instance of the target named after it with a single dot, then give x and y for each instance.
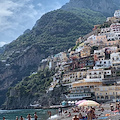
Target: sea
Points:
(41, 113)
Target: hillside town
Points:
(90, 70)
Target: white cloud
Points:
(39, 4)
(18, 15)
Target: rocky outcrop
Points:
(17, 101)
(19, 68)
(107, 7)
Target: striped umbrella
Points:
(80, 101)
(89, 103)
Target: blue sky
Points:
(18, 15)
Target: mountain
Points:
(54, 32)
(2, 49)
(106, 7)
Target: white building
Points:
(110, 49)
(100, 54)
(115, 58)
(105, 30)
(108, 19)
(117, 14)
(102, 64)
(92, 37)
(115, 27)
(113, 36)
(78, 49)
(97, 75)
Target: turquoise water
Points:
(11, 114)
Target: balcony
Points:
(78, 96)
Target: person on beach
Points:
(102, 109)
(90, 114)
(69, 115)
(112, 108)
(65, 111)
(29, 117)
(16, 117)
(80, 116)
(21, 118)
(3, 118)
(35, 116)
(75, 118)
(49, 113)
(60, 111)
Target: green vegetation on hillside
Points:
(58, 30)
(36, 83)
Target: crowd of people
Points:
(89, 113)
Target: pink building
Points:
(110, 43)
(101, 39)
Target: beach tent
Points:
(64, 103)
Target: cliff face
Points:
(18, 101)
(107, 7)
(19, 68)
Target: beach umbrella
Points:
(76, 101)
(72, 102)
(69, 101)
(80, 101)
(89, 103)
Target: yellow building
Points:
(62, 56)
(74, 54)
(73, 76)
(85, 51)
(107, 92)
(101, 39)
(82, 89)
(81, 85)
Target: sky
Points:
(18, 15)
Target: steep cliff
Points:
(25, 92)
(18, 68)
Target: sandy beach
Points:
(107, 114)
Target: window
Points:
(97, 97)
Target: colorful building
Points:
(107, 92)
